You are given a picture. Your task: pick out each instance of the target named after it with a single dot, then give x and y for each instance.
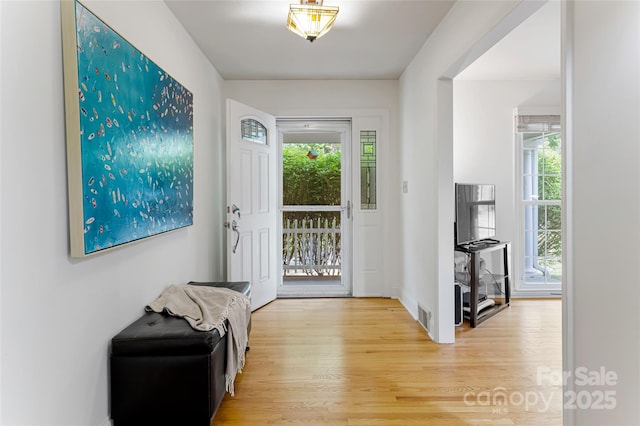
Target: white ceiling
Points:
(530, 52)
(371, 39)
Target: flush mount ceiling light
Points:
(310, 19)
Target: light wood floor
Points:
(367, 362)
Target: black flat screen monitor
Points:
(475, 212)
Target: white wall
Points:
(360, 99)
(426, 158)
(1, 119)
(483, 146)
(300, 97)
(58, 313)
(603, 110)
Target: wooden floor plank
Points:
(366, 361)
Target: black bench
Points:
(164, 372)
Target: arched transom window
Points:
(253, 131)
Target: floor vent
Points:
(424, 317)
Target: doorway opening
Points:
(315, 207)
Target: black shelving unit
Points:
(475, 251)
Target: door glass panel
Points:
(253, 131)
(368, 187)
(311, 244)
(311, 174)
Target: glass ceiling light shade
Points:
(310, 19)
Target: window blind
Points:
(537, 123)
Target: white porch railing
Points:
(309, 250)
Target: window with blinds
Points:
(540, 195)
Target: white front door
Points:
(251, 200)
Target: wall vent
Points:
(424, 317)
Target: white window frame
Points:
(548, 117)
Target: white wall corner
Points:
(443, 323)
(568, 363)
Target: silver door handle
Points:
(235, 228)
(348, 209)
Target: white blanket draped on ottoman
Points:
(207, 308)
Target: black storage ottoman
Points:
(163, 372)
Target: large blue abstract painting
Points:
(135, 135)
